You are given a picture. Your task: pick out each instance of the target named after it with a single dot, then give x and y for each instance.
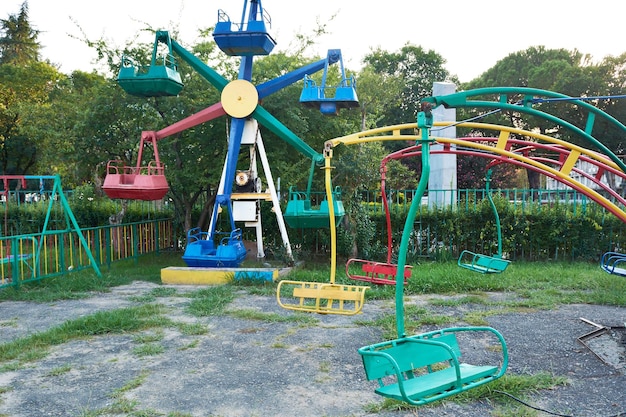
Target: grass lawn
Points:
(537, 284)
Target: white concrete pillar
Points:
(442, 184)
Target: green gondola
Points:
(160, 78)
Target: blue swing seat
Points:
(610, 263)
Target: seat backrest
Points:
(491, 262)
(408, 354)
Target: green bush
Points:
(532, 232)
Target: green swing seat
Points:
(427, 367)
(484, 264)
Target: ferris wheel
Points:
(239, 191)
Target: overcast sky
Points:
(470, 35)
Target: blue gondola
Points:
(330, 99)
(202, 252)
(160, 78)
(248, 38)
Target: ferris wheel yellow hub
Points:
(239, 98)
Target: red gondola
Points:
(138, 182)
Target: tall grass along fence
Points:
(32, 257)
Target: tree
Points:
(18, 40)
(562, 71)
(377, 92)
(25, 87)
(24, 92)
(416, 70)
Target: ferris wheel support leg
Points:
(260, 253)
(220, 190)
(276, 205)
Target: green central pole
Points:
(424, 122)
(495, 212)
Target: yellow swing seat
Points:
(320, 297)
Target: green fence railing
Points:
(32, 257)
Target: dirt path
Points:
(256, 368)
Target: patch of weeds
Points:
(516, 385)
(190, 345)
(149, 337)
(4, 390)
(11, 366)
(91, 413)
(121, 405)
(324, 369)
(178, 414)
(131, 319)
(250, 330)
(265, 290)
(192, 329)
(478, 318)
(388, 404)
(164, 292)
(534, 299)
(9, 323)
(147, 413)
(34, 355)
(145, 298)
(210, 301)
(415, 317)
(279, 345)
(148, 349)
(59, 370)
(479, 299)
(249, 314)
(131, 385)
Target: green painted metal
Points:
(280, 130)
(486, 264)
(70, 221)
(495, 211)
(404, 367)
(149, 236)
(410, 358)
(160, 78)
(208, 73)
(463, 99)
(424, 122)
(300, 214)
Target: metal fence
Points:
(32, 257)
(537, 224)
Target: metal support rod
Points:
(424, 122)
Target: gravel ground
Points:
(256, 368)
